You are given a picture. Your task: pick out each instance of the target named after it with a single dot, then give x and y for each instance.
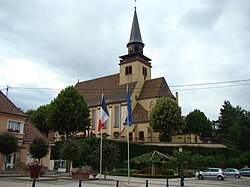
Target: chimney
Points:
(177, 97)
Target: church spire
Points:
(134, 66)
(135, 35)
(135, 43)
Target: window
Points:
(128, 70)
(130, 135)
(141, 136)
(93, 119)
(14, 126)
(117, 116)
(105, 124)
(144, 71)
(116, 135)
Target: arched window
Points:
(128, 70)
(116, 135)
(130, 136)
(93, 124)
(117, 116)
(141, 136)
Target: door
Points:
(10, 160)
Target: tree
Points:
(8, 143)
(243, 131)
(166, 118)
(39, 148)
(69, 112)
(110, 155)
(226, 119)
(86, 155)
(70, 151)
(40, 117)
(197, 122)
(234, 125)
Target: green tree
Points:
(197, 161)
(110, 155)
(69, 112)
(86, 155)
(8, 143)
(70, 151)
(30, 112)
(166, 118)
(197, 122)
(39, 148)
(40, 117)
(226, 119)
(182, 159)
(234, 125)
(243, 131)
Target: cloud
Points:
(52, 44)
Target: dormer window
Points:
(128, 70)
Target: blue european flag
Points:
(129, 117)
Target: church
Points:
(134, 73)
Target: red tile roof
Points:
(7, 107)
(31, 132)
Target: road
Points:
(123, 182)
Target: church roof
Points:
(140, 114)
(155, 88)
(135, 35)
(7, 107)
(92, 90)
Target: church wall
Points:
(111, 127)
(137, 72)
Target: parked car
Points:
(245, 171)
(232, 172)
(211, 173)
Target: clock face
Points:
(130, 49)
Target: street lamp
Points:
(181, 169)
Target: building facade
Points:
(134, 73)
(14, 121)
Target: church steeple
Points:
(134, 66)
(135, 43)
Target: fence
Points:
(27, 182)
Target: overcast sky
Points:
(53, 43)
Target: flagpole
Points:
(103, 117)
(128, 141)
(101, 148)
(128, 153)
(101, 156)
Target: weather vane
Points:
(135, 4)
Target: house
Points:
(135, 73)
(14, 121)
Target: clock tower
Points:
(134, 66)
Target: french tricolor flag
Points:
(103, 115)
